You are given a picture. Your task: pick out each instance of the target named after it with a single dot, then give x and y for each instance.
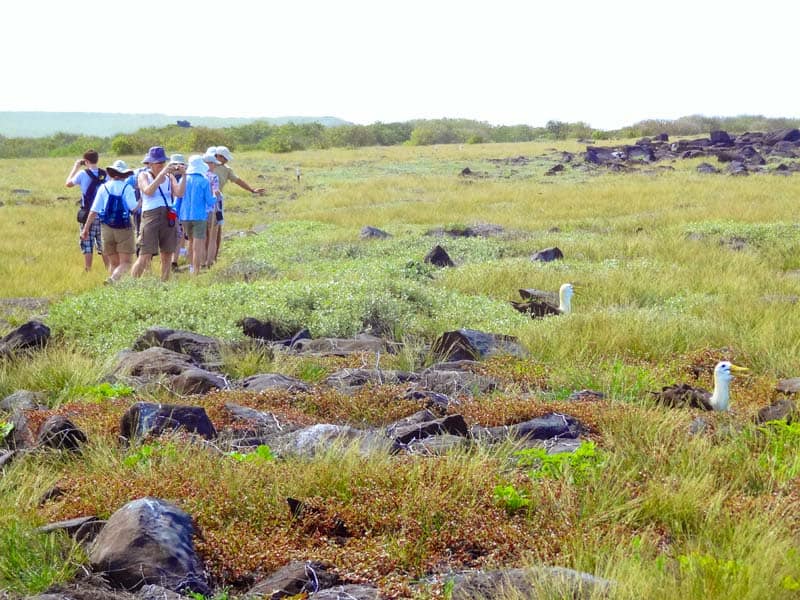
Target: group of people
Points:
(169, 199)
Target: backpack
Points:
(91, 191)
(116, 213)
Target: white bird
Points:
(537, 303)
(684, 395)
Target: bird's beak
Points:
(737, 369)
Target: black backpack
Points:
(91, 191)
(116, 213)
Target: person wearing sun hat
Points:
(178, 163)
(117, 240)
(193, 208)
(226, 174)
(215, 216)
(158, 187)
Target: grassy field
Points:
(675, 270)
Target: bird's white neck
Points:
(720, 399)
(564, 302)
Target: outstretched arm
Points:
(246, 186)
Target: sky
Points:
(608, 63)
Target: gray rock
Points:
(273, 381)
(203, 349)
(153, 362)
(780, 410)
(547, 427)
(156, 592)
(341, 346)
(347, 592)
(149, 541)
(295, 578)
(789, 386)
(368, 233)
(324, 437)
(22, 400)
(424, 424)
(352, 378)
(456, 383)
(197, 381)
(533, 582)
(436, 445)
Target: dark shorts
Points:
(156, 235)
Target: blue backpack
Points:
(116, 213)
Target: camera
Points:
(82, 162)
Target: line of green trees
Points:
(290, 137)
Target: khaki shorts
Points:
(195, 229)
(117, 241)
(156, 234)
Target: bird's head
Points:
(724, 370)
(566, 291)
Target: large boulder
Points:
(153, 362)
(149, 541)
(547, 427)
(325, 437)
(202, 349)
(31, 335)
(148, 419)
(22, 400)
(438, 257)
(197, 381)
(471, 344)
(424, 424)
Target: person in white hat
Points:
(193, 209)
(226, 174)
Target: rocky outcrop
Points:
(149, 541)
(530, 582)
(148, 419)
(30, 336)
(471, 344)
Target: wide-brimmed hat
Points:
(177, 159)
(224, 152)
(120, 167)
(156, 154)
(196, 165)
(211, 150)
(210, 158)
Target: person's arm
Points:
(246, 186)
(178, 189)
(150, 187)
(75, 169)
(88, 225)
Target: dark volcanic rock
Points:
(789, 386)
(706, 168)
(60, 433)
(548, 255)
(145, 418)
(721, 138)
(438, 256)
(153, 362)
(149, 541)
(263, 330)
(31, 335)
(471, 344)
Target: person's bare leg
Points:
(211, 241)
(166, 265)
(122, 267)
(87, 261)
(199, 255)
(141, 264)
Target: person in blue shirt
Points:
(193, 209)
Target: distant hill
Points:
(43, 124)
